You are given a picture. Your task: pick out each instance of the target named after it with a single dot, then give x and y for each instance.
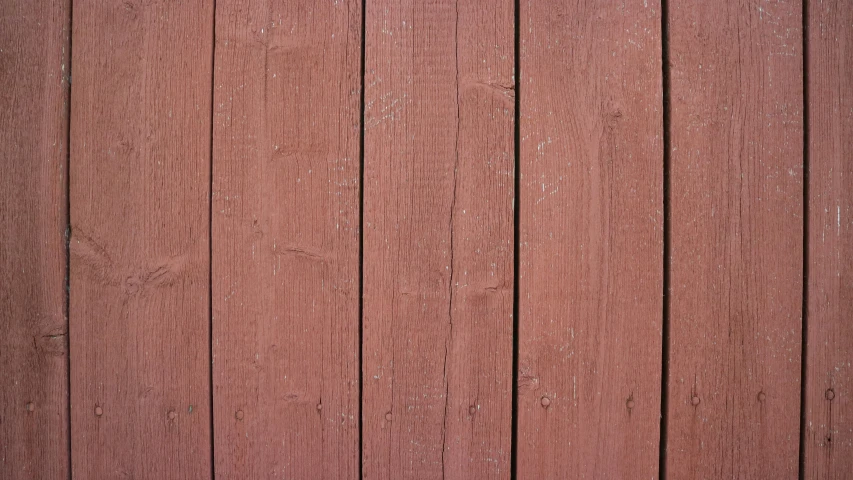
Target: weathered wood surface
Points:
(828, 439)
(286, 169)
(591, 266)
(736, 233)
(34, 56)
(438, 239)
(220, 238)
(140, 271)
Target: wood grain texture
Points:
(736, 239)
(438, 239)
(828, 441)
(140, 185)
(286, 238)
(34, 55)
(591, 264)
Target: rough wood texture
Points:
(829, 373)
(286, 238)
(438, 239)
(34, 70)
(140, 176)
(591, 263)
(736, 239)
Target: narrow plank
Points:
(591, 267)
(438, 239)
(286, 169)
(828, 442)
(34, 54)
(140, 177)
(736, 239)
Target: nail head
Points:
(388, 416)
(762, 396)
(172, 414)
(472, 409)
(30, 407)
(695, 400)
(99, 411)
(239, 415)
(319, 406)
(830, 394)
(545, 401)
(630, 403)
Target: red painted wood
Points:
(736, 206)
(286, 159)
(591, 264)
(140, 271)
(828, 440)
(438, 239)
(34, 55)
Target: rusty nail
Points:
(239, 415)
(830, 394)
(545, 401)
(99, 411)
(695, 400)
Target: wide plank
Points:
(286, 163)
(438, 239)
(140, 260)
(736, 239)
(591, 228)
(828, 433)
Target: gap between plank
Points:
(210, 247)
(805, 331)
(664, 393)
(516, 292)
(361, 246)
(67, 187)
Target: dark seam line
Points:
(67, 307)
(667, 266)
(210, 248)
(805, 337)
(516, 240)
(361, 245)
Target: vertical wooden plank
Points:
(140, 184)
(34, 54)
(286, 238)
(591, 239)
(828, 441)
(438, 239)
(736, 239)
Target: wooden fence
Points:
(426, 239)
